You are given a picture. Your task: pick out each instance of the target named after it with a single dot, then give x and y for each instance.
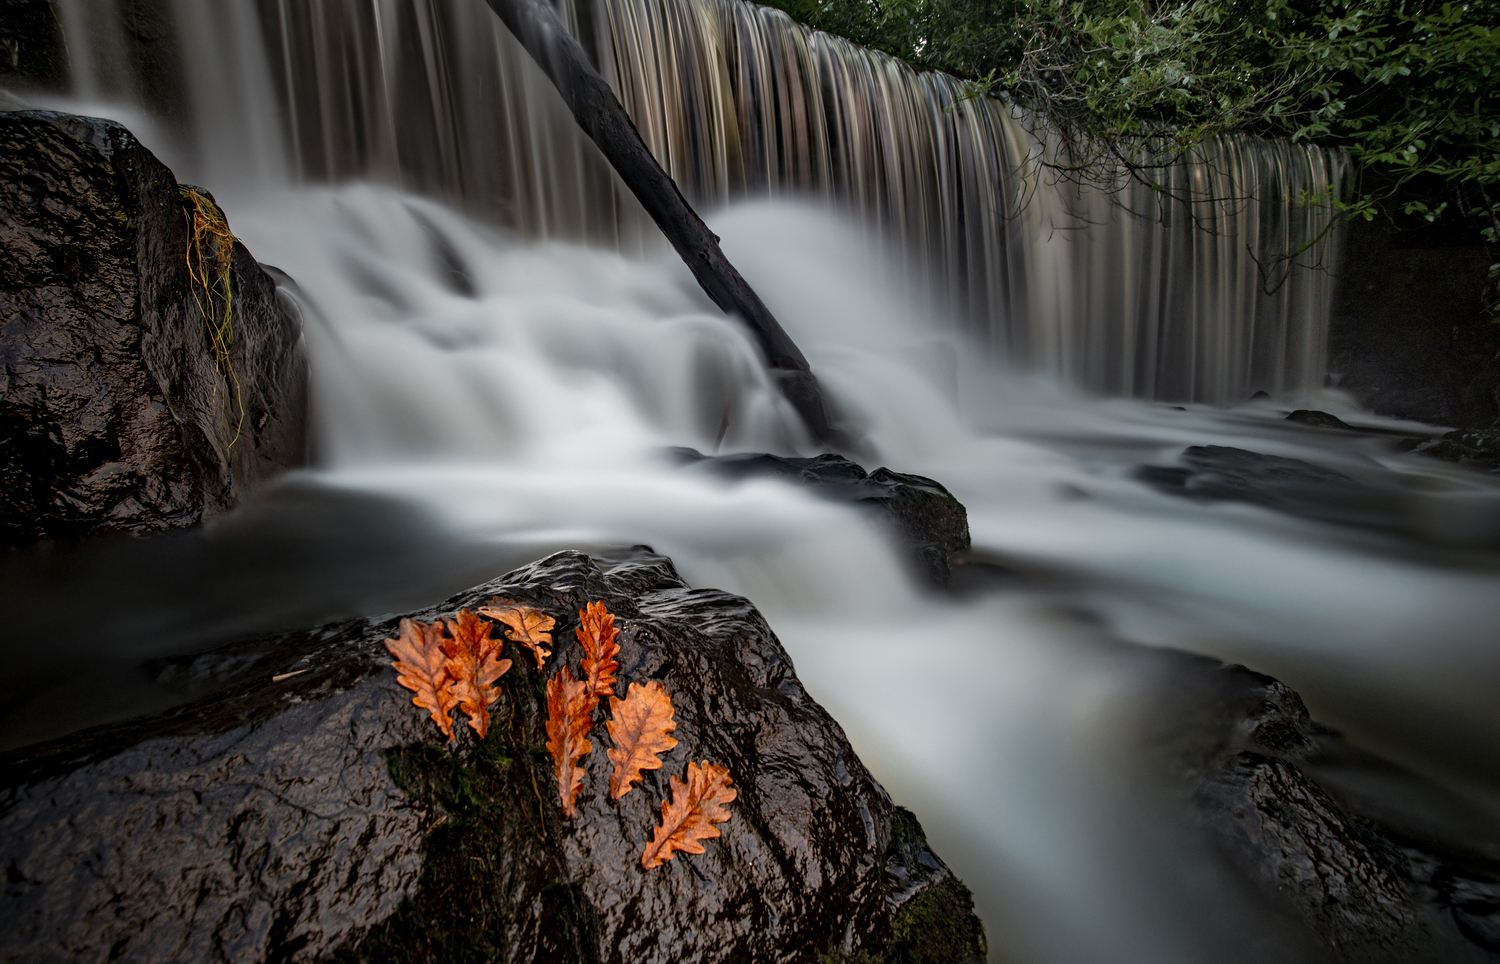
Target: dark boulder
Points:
(308, 811)
(1317, 419)
(929, 522)
(1354, 859)
(117, 413)
(1477, 449)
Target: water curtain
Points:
(1131, 292)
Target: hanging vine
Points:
(210, 257)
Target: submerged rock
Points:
(1379, 499)
(118, 413)
(1223, 473)
(1355, 859)
(308, 811)
(1480, 450)
(930, 523)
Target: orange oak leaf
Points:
(422, 667)
(474, 663)
(526, 625)
(597, 632)
(638, 725)
(696, 806)
(570, 716)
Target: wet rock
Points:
(929, 521)
(307, 811)
(1222, 473)
(1478, 449)
(1358, 860)
(119, 415)
(1308, 416)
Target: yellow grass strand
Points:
(210, 255)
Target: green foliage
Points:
(1407, 87)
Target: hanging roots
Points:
(210, 255)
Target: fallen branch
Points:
(596, 109)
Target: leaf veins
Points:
(570, 716)
(597, 632)
(696, 806)
(474, 663)
(528, 626)
(638, 725)
(422, 667)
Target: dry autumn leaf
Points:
(526, 625)
(474, 663)
(695, 807)
(570, 716)
(638, 725)
(422, 667)
(598, 635)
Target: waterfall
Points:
(499, 362)
(1209, 298)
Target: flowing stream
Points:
(501, 349)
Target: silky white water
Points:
(526, 405)
(508, 393)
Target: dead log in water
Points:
(594, 105)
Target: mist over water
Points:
(485, 395)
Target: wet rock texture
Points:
(1360, 861)
(117, 415)
(1378, 500)
(1476, 449)
(927, 520)
(319, 815)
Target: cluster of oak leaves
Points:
(459, 669)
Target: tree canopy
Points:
(1409, 88)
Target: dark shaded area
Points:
(316, 813)
(1219, 472)
(928, 520)
(1353, 858)
(1422, 511)
(118, 415)
(31, 47)
(1409, 336)
(297, 554)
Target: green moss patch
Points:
(492, 885)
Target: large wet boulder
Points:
(306, 810)
(1353, 859)
(118, 412)
(926, 519)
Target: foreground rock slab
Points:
(309, 811)
(117, 412)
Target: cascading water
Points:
(485, 395)
(1121, 292)
(1179, 301)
